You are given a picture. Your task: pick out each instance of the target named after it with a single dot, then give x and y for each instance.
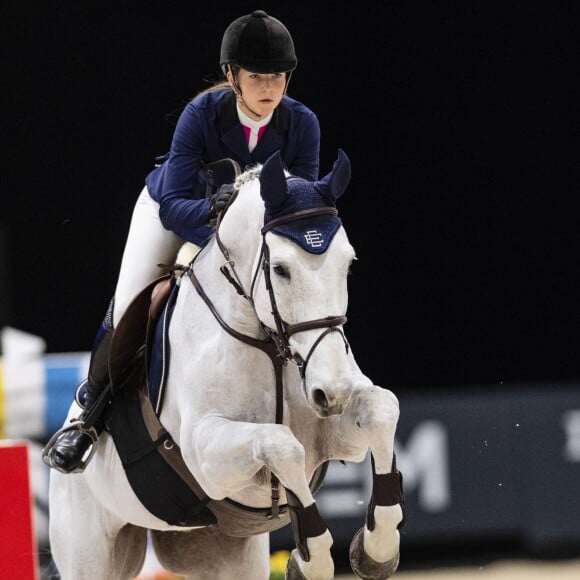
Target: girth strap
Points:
(146, 449)
(168, 449)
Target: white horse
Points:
(261, 392)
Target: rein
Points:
(264, 345)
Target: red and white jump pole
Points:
(18, 551)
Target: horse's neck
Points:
(240, 238)
(235, 310)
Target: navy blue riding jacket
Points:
(208, 130)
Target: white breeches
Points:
(148, 244)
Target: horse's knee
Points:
(376, 409)
(387, 406)
(282, 453)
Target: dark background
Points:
(459, 120)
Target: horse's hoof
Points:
(364, 566)
(293, 571)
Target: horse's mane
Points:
(248, 175)
(188, 250)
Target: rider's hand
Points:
(219, 200)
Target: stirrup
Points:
(75, 425)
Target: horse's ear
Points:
(273, 186)
(335, 183)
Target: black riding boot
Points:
(68, 447)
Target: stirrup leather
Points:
(75, 425)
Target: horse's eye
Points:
(280, 271)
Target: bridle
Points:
(279, 337)
(276, 342)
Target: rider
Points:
(245, 117)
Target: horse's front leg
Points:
(227, 457)
(373, 417)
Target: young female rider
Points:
(246, 118)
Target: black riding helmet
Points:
(258, 43)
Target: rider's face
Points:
(261, 93)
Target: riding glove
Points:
(219, 200)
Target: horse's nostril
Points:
(319, 398)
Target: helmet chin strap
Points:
(241, 100)
(238, 92)
(288, 77)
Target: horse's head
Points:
(300, 294)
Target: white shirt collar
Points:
(254, 126)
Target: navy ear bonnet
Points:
(286, 196)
